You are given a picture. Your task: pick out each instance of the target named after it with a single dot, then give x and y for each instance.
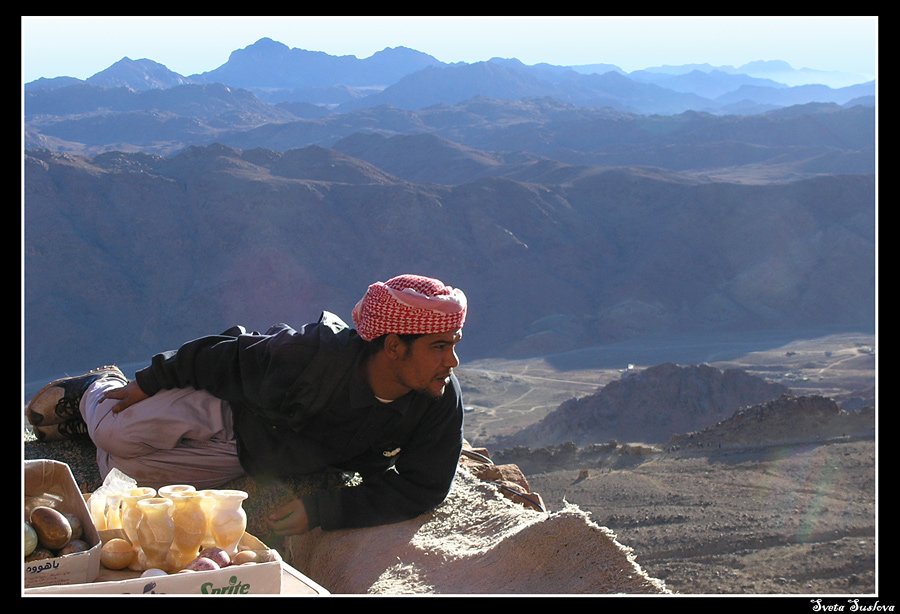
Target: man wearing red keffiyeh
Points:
(380, 400)
(418, 322)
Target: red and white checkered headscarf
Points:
(409, 305)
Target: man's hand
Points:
(128, 395)
(289, 519)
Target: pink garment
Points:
(180, 436)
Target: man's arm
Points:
(424, 473)
(253, 368)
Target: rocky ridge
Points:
(650, 405)
(789, 419)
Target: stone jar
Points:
(229, 520)
(131, 516)
(208, 504)
(156, 531)
(165, 491)
(190, 525)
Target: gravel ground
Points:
(787, 519)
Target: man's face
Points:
(429, 361)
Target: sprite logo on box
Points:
(234, 588)
(208, 588)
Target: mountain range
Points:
(574, 209)
(142, 104)
(127, 254)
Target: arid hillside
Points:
(552, 262)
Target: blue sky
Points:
(82, 46)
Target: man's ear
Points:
(394, 347)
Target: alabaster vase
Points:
(165, 491)
(131, 516)
(208, 504)
(190, 525)
(156, 531)
(112, 511)
(229, 520)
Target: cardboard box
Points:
(264, 578)
(82, 573)
(53, 481)
(260, 578)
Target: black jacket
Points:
(301, 407)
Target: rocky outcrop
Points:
(787, 419)
(508, 478)
(648, 406)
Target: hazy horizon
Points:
(80, 47)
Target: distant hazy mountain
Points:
(774, 70)
(820, 139)
(454, 84)
(809, 139)
(409, 79)
(709, 85)
(800, 94)
(139, 75)
(269, 65)
(202, 101)
(136, 75)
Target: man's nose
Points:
(451, 359)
